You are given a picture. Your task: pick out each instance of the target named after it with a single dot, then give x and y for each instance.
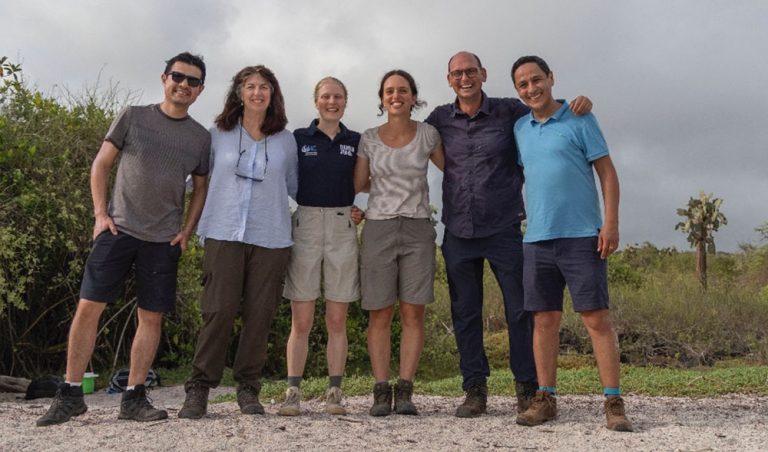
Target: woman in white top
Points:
(398, 245)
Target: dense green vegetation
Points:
(663, 317)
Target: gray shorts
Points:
(550, 265)
(324, 254)
(397, 262)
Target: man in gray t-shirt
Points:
(158, 147)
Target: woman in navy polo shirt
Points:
(325, 250)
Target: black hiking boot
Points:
(382, 399)
(248, 398)
(525, 394)
(475, 402)
(196, 402)
(67, 403)
(403, 394)
(136, 406)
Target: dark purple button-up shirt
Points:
(482, 182)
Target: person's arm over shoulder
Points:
(581, 105)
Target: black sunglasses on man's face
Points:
(179, 77)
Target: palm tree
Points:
(703, 218)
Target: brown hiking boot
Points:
(475, 402)
(382, 399)
(614, 414)
(248, 399)
(543, 408)
(196, 402)
(403, 394)
(525, 393)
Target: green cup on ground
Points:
(89, 382)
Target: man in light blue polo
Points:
(566, 241)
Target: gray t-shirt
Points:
(399, 175)
(157, 153)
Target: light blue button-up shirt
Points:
(241, 209)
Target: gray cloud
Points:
(678, 87)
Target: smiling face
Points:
(397, 96)
(331, 101)
(255, 93)
(469, 83)
(534, 87)
(181, 94)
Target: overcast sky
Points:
(679, 87)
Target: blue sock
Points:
(608, 392)
(552, 390)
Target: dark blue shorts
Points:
(113, 256)
(550, 265)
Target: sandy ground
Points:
(736, 422)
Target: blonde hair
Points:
(329, 79)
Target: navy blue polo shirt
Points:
(326, 167)
(482, 182)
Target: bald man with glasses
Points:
(482, 213)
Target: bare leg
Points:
(605, 344)
(82, 337)
(412, 339)
(144, 345)
(336, 324)
(546, 345)
(302, 317)
(379, 341)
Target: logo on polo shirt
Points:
(309, 150)
(345, 149)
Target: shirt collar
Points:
(313, 130)
(485, 106)
(556, 116)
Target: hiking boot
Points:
(474, 403)
(614, 414)
(196, 402)
(67, 402)
(543, 408)
(525, 393)
(333, 401)
(248, 398)
(403, 394)
(136, 406)
(382, 399)
(290, 406)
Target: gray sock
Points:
(334, 381)
(294, 381)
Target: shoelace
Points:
(615, 407)
(292, 396)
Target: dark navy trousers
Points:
(464, 260)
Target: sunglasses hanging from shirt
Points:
(252, 162)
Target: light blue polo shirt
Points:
(560, 192)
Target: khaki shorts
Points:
(324, 255)
(397, 262)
